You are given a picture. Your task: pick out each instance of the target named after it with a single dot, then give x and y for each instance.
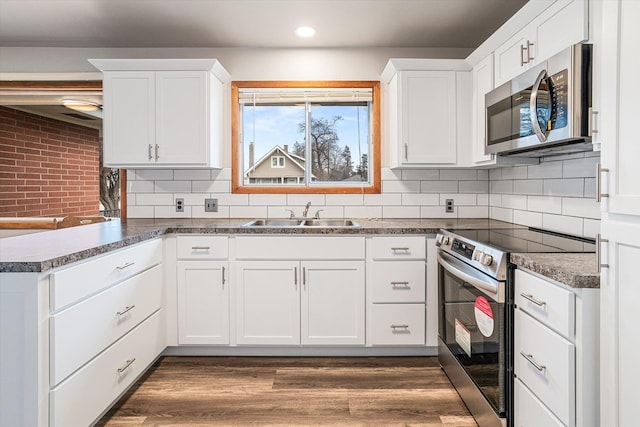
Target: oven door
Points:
(472, 314)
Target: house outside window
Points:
(306, 137)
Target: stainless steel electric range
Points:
(475, 287)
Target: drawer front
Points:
(546, 302)
(553, 379)
(399, 247)
(398, 324)
(87, 328)
(74, 283)
(80, 399)
(529, 411)
(203, 247)
(399, 281)
(300, 247)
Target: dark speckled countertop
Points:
(46, 250)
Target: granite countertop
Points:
(573, 269)
(43, 251)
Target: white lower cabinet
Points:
(556, 361)
(315, 299)
(300, 302)
(398, 324)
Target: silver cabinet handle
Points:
(126, 365)
(403, 326)
(127, 265)
(533, 300)
(403, 285)
(593, 128)
(200, 248)
(522, 50)
(295, 276)
(599, 193)
(126, 309)
(223, 279)
(529, 358)
(150, 149)
(395, 250)
(157, 152)
(304, 276)
(406, 151)
(529, 57)
(599, 241)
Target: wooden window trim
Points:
(236, 185)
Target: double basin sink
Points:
(303, 223)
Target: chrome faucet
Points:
(317, 215)
(306, 209)
(292, 215)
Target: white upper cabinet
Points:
(163, 113)
(423, 108)
(563, 24)
(482, 84)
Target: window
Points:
(306, 137)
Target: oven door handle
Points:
(469, 274)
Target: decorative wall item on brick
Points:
(47, 167)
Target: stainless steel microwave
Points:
(544, 111)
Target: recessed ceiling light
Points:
(305, 32)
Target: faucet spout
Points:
(306, 209)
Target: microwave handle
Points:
(533, 110)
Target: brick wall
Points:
(47, 167)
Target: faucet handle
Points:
(317, 215)
(292, 215)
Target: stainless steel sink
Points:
(330, 223)
(301, 222)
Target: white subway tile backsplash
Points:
(483, 199)
(590, 188)
(384, 199)
(140, 211)
(328, 211)
(401, 212)
(218, 186)
(591, 227)
(192, 174)
(172, 186)
(573, 187)
(420, 199)
(495, 174)
(302, 199)
(586, 208)
(437, 212)
(150, 174)
(267, 199)
(459, 199)
(546, 204)
(221, 174)
(563, 224)
(473, 211)
(515, 172)
(501, 214)
(483, 174)
(528, 218)
(170, 212)
(247, 211)
(473, 186)
(545, 170)
(344, 199)
(190, 199)
(153, 199)
(514, 201)
(401, 186)
(139, 186)
(501, 187)
(421, 175)
(198, 212)
(495, 199)
(360, 212)
(580, 168)
(387, 174)
(529, 187)
(439, 187)
(458, 174)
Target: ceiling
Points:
(251, 23)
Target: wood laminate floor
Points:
(283, 391)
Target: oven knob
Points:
(486, 259)
(441, 239)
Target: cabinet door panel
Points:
(398, 281)
(482, 84)
(182, 114)
(267, 302)
(203, 302)
(129, 117)
(332, 303)
(529, 411)
(428, 101)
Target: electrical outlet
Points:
(211, 205)
(449, 206)
(179, 205)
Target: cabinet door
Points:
(565, 24)
(267, 302)
(428, 117)
(511, 57)
(482, 84)
(203, 302)
(332, 303)
(129, 117)
(182, 112)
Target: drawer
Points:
(203, 247)
(549, 303)
(300, 247)
(529, 411)
(553, 380)
(398, 247)
(85, 395)
(85, 329)
(399, 281)
(74, 283)
(398, 324)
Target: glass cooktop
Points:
(528, 240)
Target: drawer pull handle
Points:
(126, 309)
(127, 265)
(200, 248)
(529, 358)
(223, 279)
(533, 300)
(403, 285)
(399, 326)
(395, 250)
(126, 365)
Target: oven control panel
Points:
(464, 249)
(483, 257)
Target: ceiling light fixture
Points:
(305, 32)
(78, 105)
